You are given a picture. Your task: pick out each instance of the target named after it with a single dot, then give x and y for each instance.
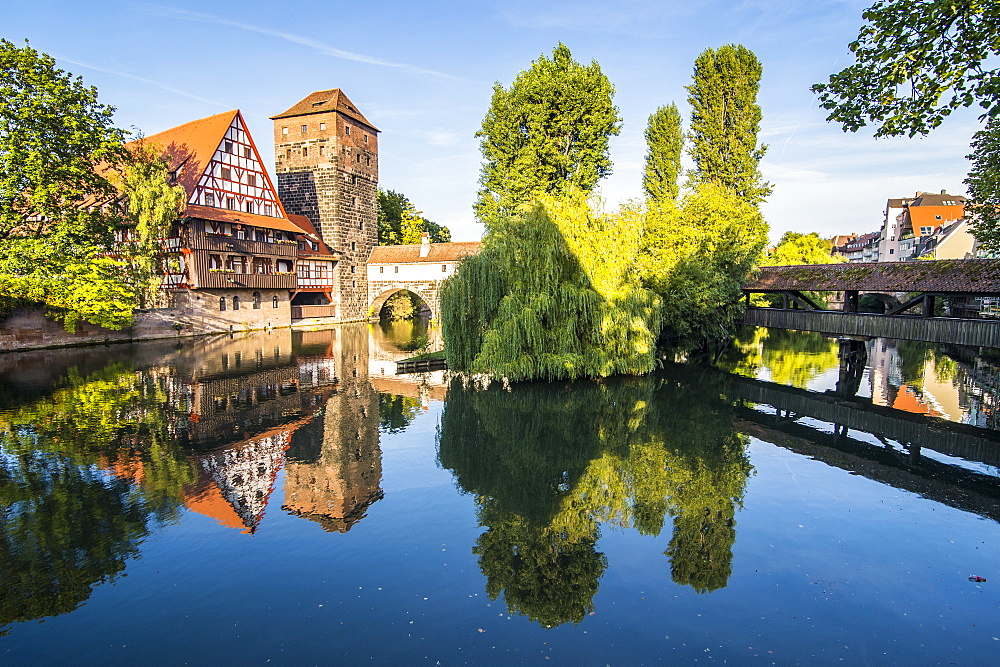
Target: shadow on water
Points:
(550, 463)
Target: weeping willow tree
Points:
(553, 296)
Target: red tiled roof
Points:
(410, 254)
(324, 101)
(189, 147)
(310, 231)
(241, 217)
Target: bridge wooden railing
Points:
(977, 333)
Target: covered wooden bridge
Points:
(910, 292)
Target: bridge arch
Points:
(428, 301)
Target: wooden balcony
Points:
(223, 280)
(302, 312)
(233, 245)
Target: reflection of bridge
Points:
(904, 468)
(902, 287)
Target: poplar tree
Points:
(664, 142)
(546, 134)
(725, 120)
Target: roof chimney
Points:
(944, 192)
(425, 244)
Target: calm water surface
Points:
(285, 497)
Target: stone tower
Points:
(326, 161)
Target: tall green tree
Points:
(916, 62)
(664, 144)
(63, 168)
(695, 255)
(400, 223)
(725, 120)
(546, 134)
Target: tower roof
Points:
(324, 101)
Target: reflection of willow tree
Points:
(745, 353)
(796, 357)
(550, 463)
(68, 525)
(395, 413)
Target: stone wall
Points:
(192, 313)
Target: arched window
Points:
(236, 303)
(222, 303)
(256, 300)
(274, 301)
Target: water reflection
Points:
(550, 464)
(91, 460)
(950, 382)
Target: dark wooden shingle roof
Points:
(978, 276)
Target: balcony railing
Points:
(302, 312)
(224, 280)
(231, 244)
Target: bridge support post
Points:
(851, 301)
(928, 305)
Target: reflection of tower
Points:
(853, 357)
(885, 376)
(335, 475)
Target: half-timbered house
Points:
(233, 251)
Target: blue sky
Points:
(423, 73)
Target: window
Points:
(260, 235)
(268, 209)
(892, 250)
(926, 230)
(396, 269)
(256, 300)
(284, 130)
(937, 217)
(249, 207)
(354, 269)
(227, 146)
(247, 152)
(288, 154)
(214, 262)
(305, 151)
(322, 126)
(354, 246)
(347, 130)
(274, 303)
(236, 306)
(381, 269)
(444, 268)
(361, 226)
(354, 201)
(368, 160)
(226, 173)
(209, 199)
(222, 303)
(252, 180)
(305, 128)
(230, 203)
(284, 265)
(262, 266)
(321, 147)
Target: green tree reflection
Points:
(67, 528)
(83, 473)
(549, 464)
(395, 413)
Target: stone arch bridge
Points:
(420, 269)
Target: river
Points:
(283, 496)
